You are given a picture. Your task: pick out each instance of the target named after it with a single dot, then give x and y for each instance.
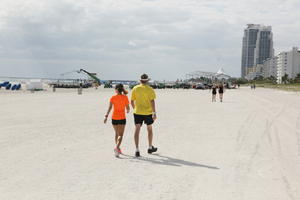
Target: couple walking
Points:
(214, 92)
(143, 103)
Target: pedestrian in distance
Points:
(214, 93)
(143, 102)
(119, 103)
(221, 92)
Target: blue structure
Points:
(4, 84)
(18, 87)
(7, 85)
(14, 87)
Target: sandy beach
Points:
(54, 146)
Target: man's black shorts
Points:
(118, 122)
(139, 119)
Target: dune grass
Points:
(295, 87)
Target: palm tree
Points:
(297, 78)
(285, 78)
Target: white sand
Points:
(55, 146)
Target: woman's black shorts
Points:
(140, 119)
(118, 122)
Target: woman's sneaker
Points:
(152, 149)
(119, 150)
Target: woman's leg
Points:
(121, 129)
(221, 97)
(116, 133)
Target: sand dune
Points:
(55, 146)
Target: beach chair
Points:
(14, 87)
(8, 86)
(4, 84)
(18, 87)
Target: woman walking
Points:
(119, 102)
(221, 91)
(214, 93)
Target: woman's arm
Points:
(127, 108)
(108, 111)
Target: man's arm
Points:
(132, 104)
(153, 109)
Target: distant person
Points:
(143, 103)
(254, 86)
(214, 93)
(119, 102)
(221, 92)
(239, 85)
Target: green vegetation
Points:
(286, 87)
(288, 84)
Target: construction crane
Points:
(92, 75)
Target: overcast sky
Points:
(120, 39)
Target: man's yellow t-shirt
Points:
(143, 95)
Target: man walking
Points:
(143, 103)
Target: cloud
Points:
(121, 39)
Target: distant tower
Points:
(257, 46)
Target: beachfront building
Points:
(212, 76)
(257, 46)
(281, 66)
(221, 75)
(270, 67)
(253, 72)
(288, 63)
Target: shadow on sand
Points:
(165, 160)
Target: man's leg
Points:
(150, 135)
(137, 135)
(151, 148)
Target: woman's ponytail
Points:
(121, 89)
(124, 91)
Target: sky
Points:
(121, 39)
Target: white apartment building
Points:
(270, 67)
(288, 63)
(281, 66)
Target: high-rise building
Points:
(257, 46)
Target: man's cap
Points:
(145, 77)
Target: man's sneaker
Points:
(116, 152)
(137, 154)
(152, 149)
